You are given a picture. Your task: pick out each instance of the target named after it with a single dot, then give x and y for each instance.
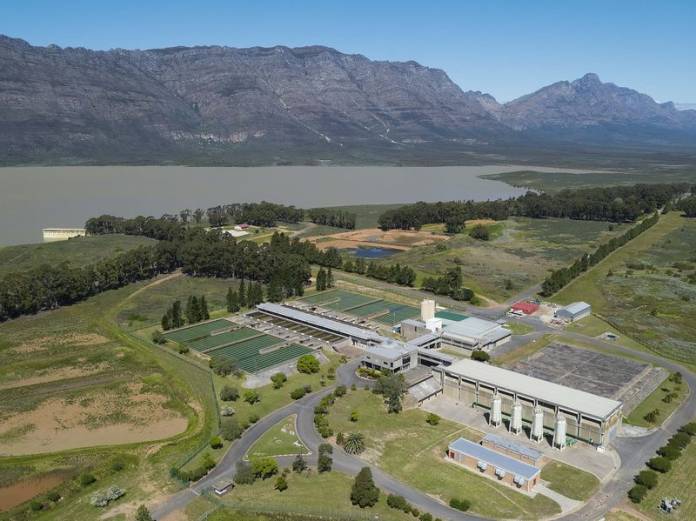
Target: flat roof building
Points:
(589, 417)
(494, 464)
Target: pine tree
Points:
(321, 280)
(195, 309)
(275, 291)
(242, 295)
(143, 514)
(203, 305)
(258, 293)
(229, 299)
(188, 310)
(166, 325)
(177, 320)
(364, 492)
(234, 302)
(329, 278)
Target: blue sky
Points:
(504, 48)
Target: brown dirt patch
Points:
(396, 239)
(76, 339)
(483, 222)
(106, 417)
(52, 375)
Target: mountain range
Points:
(280, 105)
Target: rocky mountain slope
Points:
(220, 105)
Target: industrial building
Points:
(62, 234)
(466, 333)
(390, 355)
(547, 407)
(574, 311)
(494, 464)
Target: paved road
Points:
(633, 451)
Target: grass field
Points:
(310, 494)
(642, 289)
(78, 251)
(569, 481)
(620, 515)
(279, 440)
(519, 256)
(145, 309)
(655, 401)
(413, 451)
(679, 483)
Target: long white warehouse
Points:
(588, 417)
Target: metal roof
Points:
(423, 339)
(576, 307)
(470, 327)
(561, 395)
(312, 319)
(513, 446)
(496, 459)
(389, 351)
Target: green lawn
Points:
(569, 481)
(78, 251)
(324, 495)
(656, 401)
(594, 326)
(512, 357)
(518, 328)
(412, 450)
(279, 440)
(642, 289)
(678, 482)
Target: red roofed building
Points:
(525, 307)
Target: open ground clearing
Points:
(413, 451)
(279, 440)
(78, 251)
(643, 289)
(519, 256)
(657, 401)
(374, 237)
(569, 481)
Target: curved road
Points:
(633, 451)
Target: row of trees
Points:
(394, 273)
(561, 277)
(617, 204)
(449, 284)
(662, 463)
(332, 217)
(325, 279)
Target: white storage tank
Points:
(427, 310)
(559, 432)
(516, 420)
(496, 411)
(537, 433)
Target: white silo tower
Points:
(496, 416)
(559, 432)
(516, 420)
(537, 433)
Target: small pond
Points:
(371, 252)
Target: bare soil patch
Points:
(370, 237)
(105, 417)
(52, 375)
(77, 339)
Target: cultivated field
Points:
(647, 288)
(520, 254)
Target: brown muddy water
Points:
(25, 489)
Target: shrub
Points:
(307, 364)
(281, 483)
(480, 356)
(324, 463)
(279, 380)
(460, 504)
(87, 479)
(660, 464)
(637, 493)
(251, 397)
(298, 393)
(355, 443)
(223, 366)
(264, 467)
(299, 464)
(364, 492)
(670, 452)
(354, 416)
(35, 506)
(182, 349)
(117, 465)
(681, 440)
(432, 419)
(481, 233)
(143, 514)
(340, 439)
(53, 496)
(230, 429)
(325, 448)
(689, 428)
(158, 337)
(415, 512)
(253, 418)
(647, 478)
(229, 394)
(216, 442)
(398, 502)
(340, 391)
(245, 474)
(651, 417)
